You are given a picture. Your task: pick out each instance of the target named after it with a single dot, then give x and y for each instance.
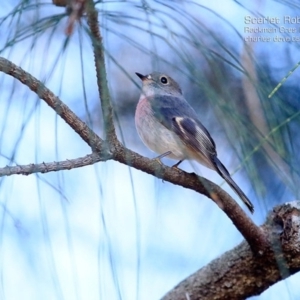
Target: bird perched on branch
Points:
(169, 126)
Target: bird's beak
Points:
(142, 77)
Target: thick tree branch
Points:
(239, 274)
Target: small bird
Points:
(169, 126)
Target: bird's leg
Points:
(158, 158)
(177, 164)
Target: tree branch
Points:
(250, 231)
(55, 103)
(238, 274)
(253, 234)
(55, 166)
(107, 111)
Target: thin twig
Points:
(107, 111)
(54, 166)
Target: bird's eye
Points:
(163, 80)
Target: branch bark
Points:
(54, 102)
(239, 274)
(68, 164)
(107, 111)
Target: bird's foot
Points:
(158, 158)
(177, 164)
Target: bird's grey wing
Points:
(177, 115)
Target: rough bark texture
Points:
(239, 273)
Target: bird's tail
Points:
(220, 168)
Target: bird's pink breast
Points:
(155, 135)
